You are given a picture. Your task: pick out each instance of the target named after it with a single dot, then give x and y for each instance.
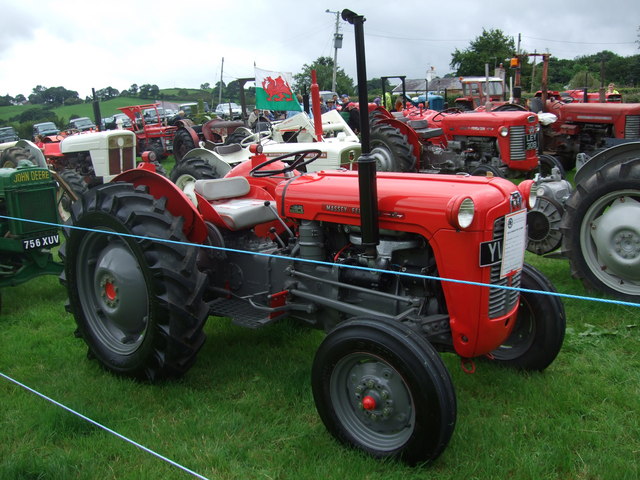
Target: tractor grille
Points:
(632, 127)
(518, 143)
(35, 204)
(501, 300)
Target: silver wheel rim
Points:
(610, 241)
(113, 292)
(372, 402)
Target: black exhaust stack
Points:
(366, 162)
(96, 110)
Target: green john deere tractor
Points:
(28, 219)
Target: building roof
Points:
(419, 85)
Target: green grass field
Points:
(107, 108)
(245, 410)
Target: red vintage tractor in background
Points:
(151, 130)
(358, 254)
(502, 143)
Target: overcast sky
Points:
(83, 44)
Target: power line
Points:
(579, 43)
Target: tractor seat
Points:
(227, 149)
(237, 213)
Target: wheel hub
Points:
(617, 239)
(120, 298)
(374, 399)
(384, 161)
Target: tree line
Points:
(492, 47)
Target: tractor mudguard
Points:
(615, 154)
(187, 125)
(177, 202)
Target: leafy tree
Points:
(492, 47)
(324, 72)
(374, 86)
(148, 91)
(107, 93)
(37, 95)
(6, 101)
(205, 86)
(133, 89)
(35, 115)
(585, 79)
(20, 98)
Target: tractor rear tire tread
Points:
(174, 285)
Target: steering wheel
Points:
(510, 107)
(299, 160)
(255, 138)
(446, 111)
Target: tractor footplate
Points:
(240, 312)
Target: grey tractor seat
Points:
(225, 196)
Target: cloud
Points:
(97, 44)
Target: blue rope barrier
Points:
(107, 429)
(356, 267)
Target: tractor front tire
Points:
(537, 336)
(601, 230)
(72, 187)
(380, 387)
(137, 302)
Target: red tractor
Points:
(586, 127)
(578, 127)
(452, 141)
(358, 254)
(477, 91)
(152, 133)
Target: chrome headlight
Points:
(466, 211)
(529, 191)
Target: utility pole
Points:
(221, 72)
(533, 68)
(337, 43)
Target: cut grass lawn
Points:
(245, 410)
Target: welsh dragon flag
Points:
(273, 91)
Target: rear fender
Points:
(187, 125)
(177, 202)
(619, 153)
(409, 132)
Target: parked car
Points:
(45, 129)
(111, 123)
(8, 134)
(82, 124)
(191, 108)
(231, 111)
(163, 113)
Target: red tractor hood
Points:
(407, 202)
(482, 123)
(592, 112)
